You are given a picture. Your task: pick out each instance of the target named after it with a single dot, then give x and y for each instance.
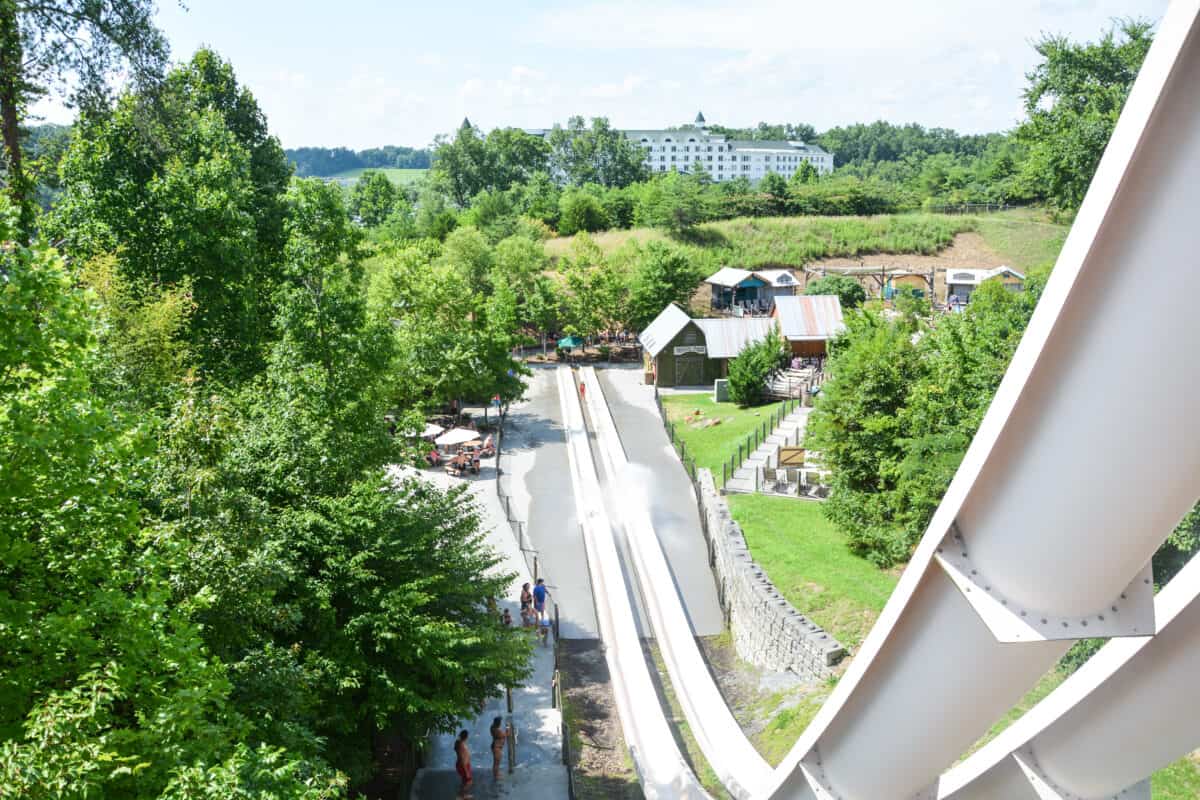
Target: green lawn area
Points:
(1024, 238)
(399, 177)
(808, 561)
(709, 447)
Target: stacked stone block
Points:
(767, 631)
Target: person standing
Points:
(582, 391)
(540, 593)
(462, 764)
(499, 736)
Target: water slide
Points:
(1074, 479)
(660, 765)
(742, 770)
(1087, 458)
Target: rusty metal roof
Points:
(809, 317)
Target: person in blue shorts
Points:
(540, 593)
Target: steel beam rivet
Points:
(1145, 580)
(973, 572)
(1083, 623)
(1065, 625)
(1102, 618)
(1114, 608)
(1003, 602)
(964, 554)
(1043, 621)
(1122, 596)
(1024, 613)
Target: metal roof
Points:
(809, 317)
(726, 337)
(665, 327)
(763, 144)
(974, 277)
(732, 276)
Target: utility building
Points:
(754, 291)
(808, 322)
(681, 351)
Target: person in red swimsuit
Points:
(462, 764)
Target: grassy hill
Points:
(399, 177)
(1022, 238)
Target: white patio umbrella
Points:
(456, 436)
(431, 430)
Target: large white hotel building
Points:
(693, 145)
(690, 146)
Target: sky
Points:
(364, 73)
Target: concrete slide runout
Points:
(661, 768)
(740, 767)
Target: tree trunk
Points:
(11, 90)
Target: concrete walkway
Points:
(539, 769)
(537, 476)
(668, 493)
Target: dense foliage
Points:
(753, 367)
(325, 162)
(850, 292)
(211, 584)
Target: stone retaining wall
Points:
(767, 631)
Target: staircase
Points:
(791, 382)
(789, 431)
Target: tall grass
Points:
(795, 241)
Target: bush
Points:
(754, 366)
(580, 211)
(849, 292)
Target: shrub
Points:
(753, 367)
(849, 292)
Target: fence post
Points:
(535, 568)
(508, 698)
(756, 480)
(556, 636)
(724, 479)
(512, 744)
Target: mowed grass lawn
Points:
(711, 446)
(808, 561)
(399, 177)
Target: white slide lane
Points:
(741, 768)
(1131, 709)
(1088, 456)
(661, 768)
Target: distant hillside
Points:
(326, 162)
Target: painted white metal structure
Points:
(661, 768)
(741, 768)
(1104, 729)
(1037, 541)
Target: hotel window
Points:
(672, 150)
(710, 148)
(672, 158)
(710, 158)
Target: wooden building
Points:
(681, 351)
(808, 322)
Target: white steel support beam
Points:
(1132, 708)
(1047, 511)
(662, 770)
(741, 768)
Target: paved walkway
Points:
(790, 431)
(539, 769)
(537, 476)
(668, 492)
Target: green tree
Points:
(468, 252)
(673, 202)
(462, 166)
(775, 187)
(849, 292)
(105, 686)
(858, 428)
(580, 210)
(805, 173)
(188, 185)
(662, 275)
(373, 198)
(1073, 99)
(750, 371)
(596, 296)
(595, 153)
(44, 45)
(516, 156)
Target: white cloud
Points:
(613, 90)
